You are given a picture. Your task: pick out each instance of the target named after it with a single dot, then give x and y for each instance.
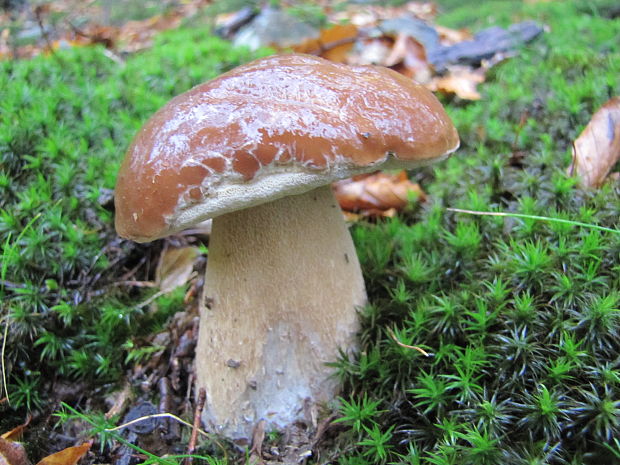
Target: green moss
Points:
(520, 315)
(65, 123)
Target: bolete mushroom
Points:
(256, 150)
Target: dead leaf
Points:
(373, 51)
(119, 400)
(16, 433)
(175, 267)
(68, 456)
(452, 36)
(12, 453)
(370, 15)
(461, 81)
(408, 57)
(597, 149)
(378, 194)
(333, 43)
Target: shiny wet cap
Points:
(278, 126)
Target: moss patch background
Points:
(521, 316)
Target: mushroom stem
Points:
(281, 290)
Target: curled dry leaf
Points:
(460, 81)
(16, 433)
(370, 15)
(452, 36)
(597, 149)
(371, 51)
(175, 267)
(408, 57)
(333, 43)
(119, 401)
(378, 194)
(68, 456)
(12, 453)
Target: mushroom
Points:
(256, 150)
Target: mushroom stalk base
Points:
(282, 288)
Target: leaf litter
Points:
(597, 149)
(405, 38)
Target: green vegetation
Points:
(520, 316)
(65, 121)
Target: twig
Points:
(150, 300)
(200, 403)
(406, 346)
(326, 47)
(113, 56)
(165, 405)
(134, 283)
(11, 285)
(38, 15)
(107, 43)
(134, 270)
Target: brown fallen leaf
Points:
(597, 149)
(370, 15)
(68, 456)
(12, 453)
(378, 194)
(461, 81)
(408, 57)
(175, 267)
(119, 401)
(372, 51)
(16, 433)
(452, 36)
(333, 43)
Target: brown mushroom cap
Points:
(277, 126)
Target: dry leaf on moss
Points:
(597, 149)
(175, 267)
(452, 36)
(16, 433)
(461, 81)
(333, 43)
(408, 57)
(371, 51)
(68, 456)
(370, 15)
(378, 194)
(12, 453)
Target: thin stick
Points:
(406, 346)
(200, 404)
(38, 16)
(536, 217)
